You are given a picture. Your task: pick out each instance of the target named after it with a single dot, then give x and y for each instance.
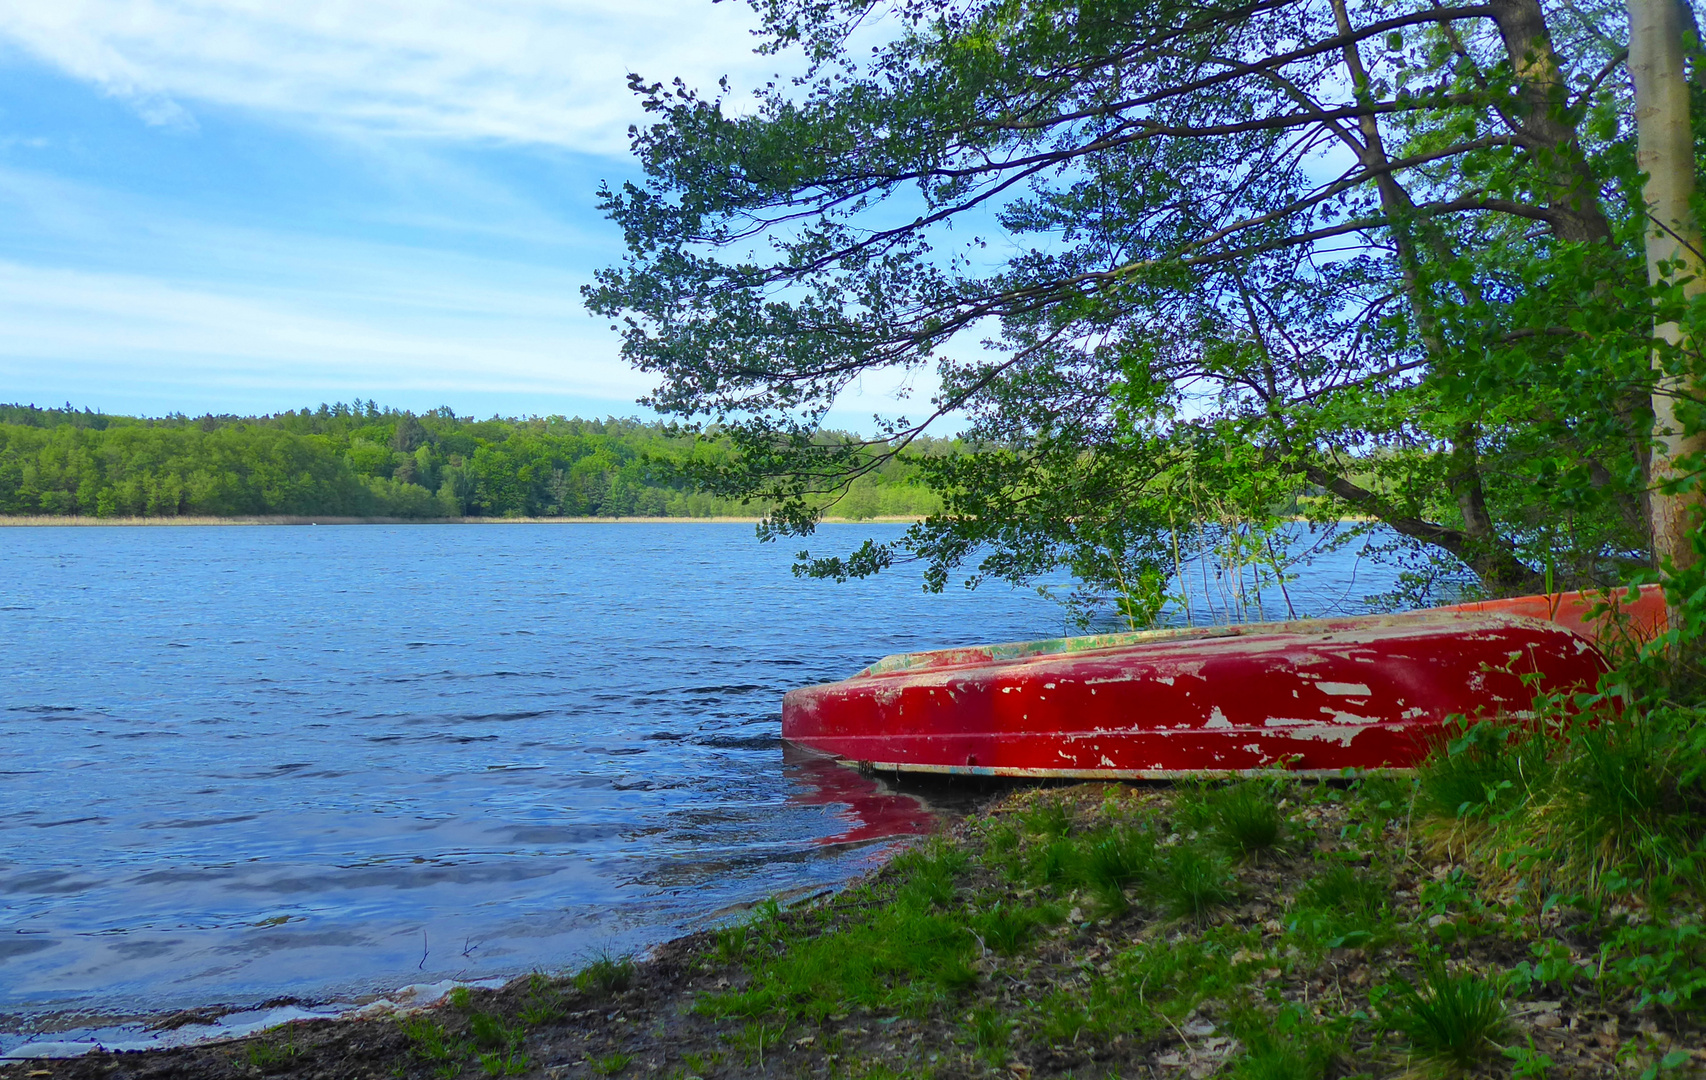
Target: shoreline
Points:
(1096, 929)
(69, 521)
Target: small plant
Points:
(489, 1033)
(989, 1031)
(1343, 890)
(699, 1064)
(544, 1002)
(1006, 929)
(1063, 1018)
(430, 1041)
(269, 1057)
(611, 1064)
(1054, 861)
(1277, 1063)
(1114, 863)
(929, 878)
(501, 1064)
(730, 943)
(1191, 883)
(1246, 818)
(1481, 770)
(1047, 817)
(460, 998)
(1451, 1018)
(757, 1037)
(608, 974)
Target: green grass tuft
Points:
(1189, 882)
(609, 974)
(1450, 1018)
(1246, 818)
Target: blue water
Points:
(250, 762)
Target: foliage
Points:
(361, 460)
(1232, 261)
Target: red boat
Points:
(1602, 616)
(1312, 697)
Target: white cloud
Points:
(107, 330)
(529, 71)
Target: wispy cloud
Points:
(123, 336)
(528, 71)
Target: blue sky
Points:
(261, 204)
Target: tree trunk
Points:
(1665, 152)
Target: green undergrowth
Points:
(1527, 883)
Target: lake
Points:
(322, 761)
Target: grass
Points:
(1246, 818)
(1453, 1017)
(1097, 931)
(1190, 882)
(608, 974)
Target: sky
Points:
(247, 206)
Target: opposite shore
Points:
(23, 520)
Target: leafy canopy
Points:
(1173, 262)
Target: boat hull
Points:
(1318, 696)
(1607, 617)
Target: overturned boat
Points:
(1316, 696)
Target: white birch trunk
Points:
(1665, 152)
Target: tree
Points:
(1226, 256)
(1657, 30)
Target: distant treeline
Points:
(364, 461)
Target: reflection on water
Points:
(869, 808)
(247, 762)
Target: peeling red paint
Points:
(1222, 699)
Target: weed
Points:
(1006, 929)
(1001, 838)
(448, 1070)
(430, 1041)
(1047, 817)
(544, 1002)
(1276, 1062)
(1344, 890)
(928, 879)
(501, 1064)
(1338, 908)
(1189, 882)
(757, 1037)
(699, 1064)
(1481, 770)
(1054, 861)
(489, 1032)
(460, 998)
(1452, 1018)
(270, 1057)
(1063, 1018)
(989, 1029)
(609, 974)
(1114, 863)
(731, 943)
(611, 1064)
(1246, 818)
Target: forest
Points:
(361, 460)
